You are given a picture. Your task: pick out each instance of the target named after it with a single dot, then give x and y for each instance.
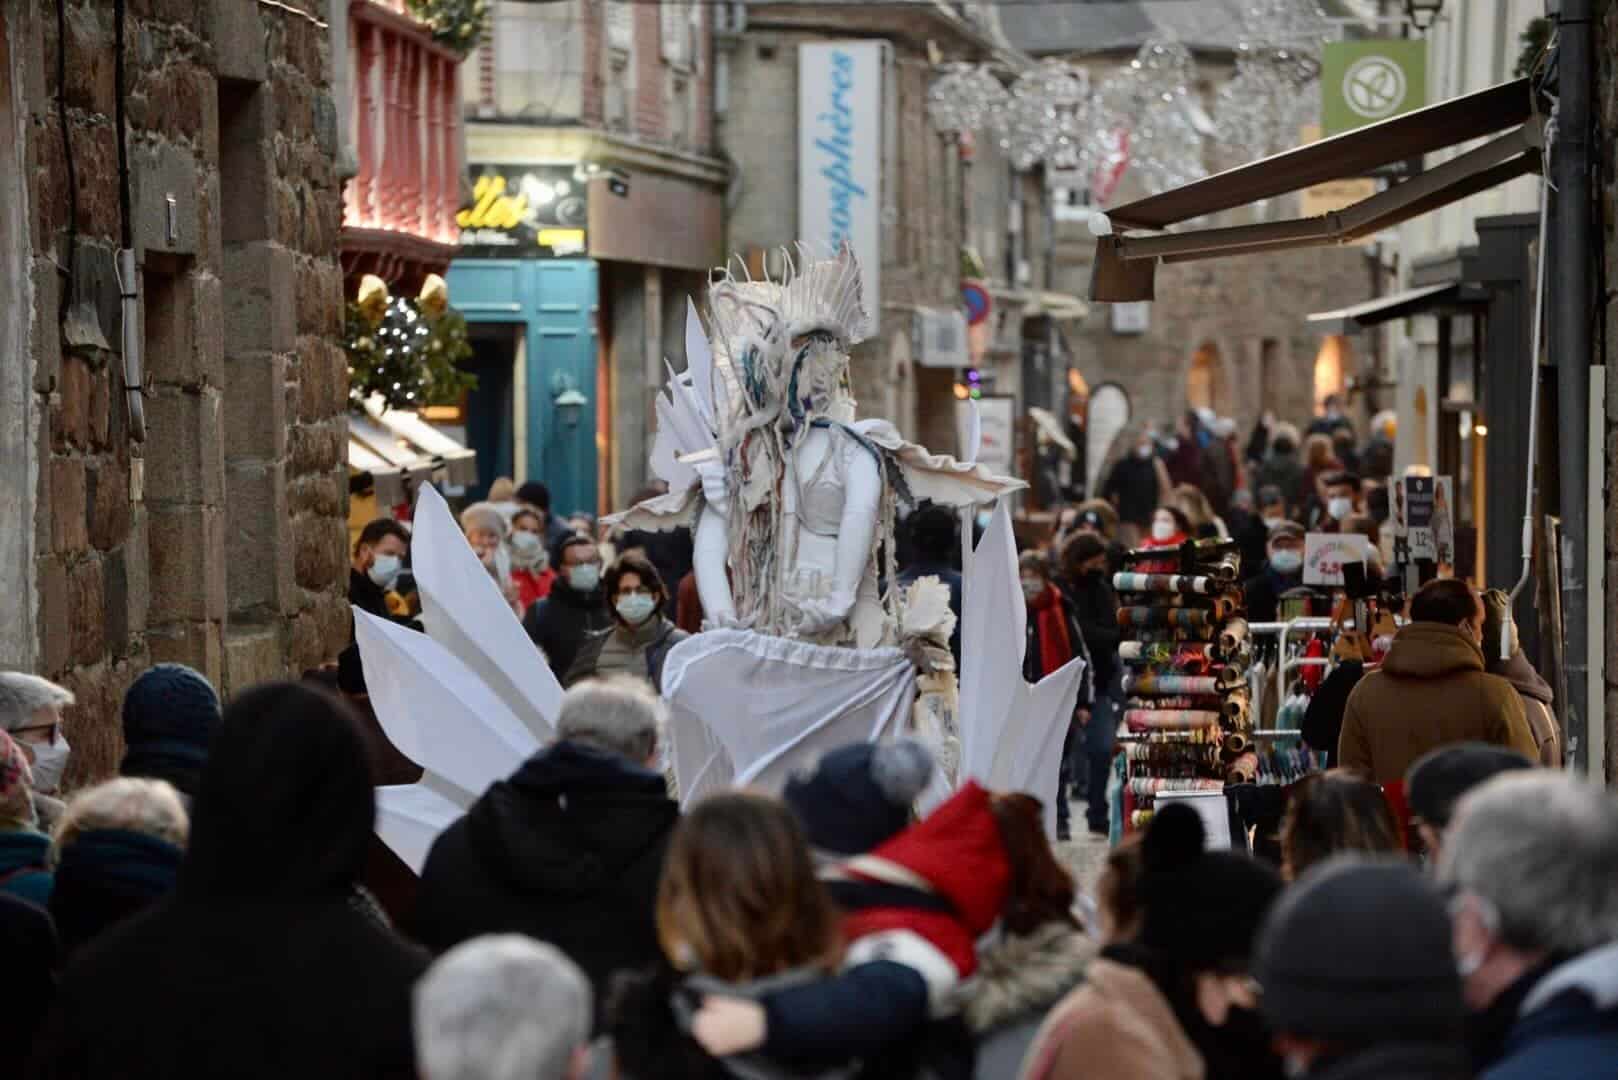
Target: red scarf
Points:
(1055, 647)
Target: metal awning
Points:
(1356, 317)
(1126, 262)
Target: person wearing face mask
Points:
(1088, 587)
(1529, 864)
(31, 713)
(1342, 502)
(1431, 690)
(1175, 1002)
(642, 635)
(530, 563)
(576, 606)
(1054, 638)
(1135, 486)
(25, 872)
(378, 557)
(1282, 572)
(1359, 981)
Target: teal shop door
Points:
(555, 302)
(490, 408)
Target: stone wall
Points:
(219, 541)
(1250, 310)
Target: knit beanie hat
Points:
(16, 778)
(1359, 951)
(170, 715)
(1202, 908)
(1439, 778)
(860, 795)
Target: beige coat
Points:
(1117, 1025)
(1430, 691)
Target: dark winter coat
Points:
(649, 1019)
(1095, 605)
(569, 850)
(1133, 487)
(24, 865)
(560, 623)
(1398, 1061)
(366, 594)
(1032, 666)
(28, 943)
(1568, 1025)
(256, 966)
(104, 877)
(1283, 471)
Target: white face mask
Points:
(1339, 507)
(1272, 521)
(636, 608)
(1286, 561)
(50, 762)
(1032, 588)
(384, 570)
(1162, 530)
(528, 550)
(1171, 444)
(584, 578)
(1143, 452)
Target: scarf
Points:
(1050, 622)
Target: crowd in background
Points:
(223, 907)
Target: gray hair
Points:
(1542, 848)
(620, 714)
(501, 1007)
(136, 804)
(22, 695)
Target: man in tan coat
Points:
(1431, 691)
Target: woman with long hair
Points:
(1330, 813)
(740, 913)
(1199, 513)
(1042, 952)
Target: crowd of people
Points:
(223, 906)
(208, 913)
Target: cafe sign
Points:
(524, 211)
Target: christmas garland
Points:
(408, 351)
(456, 23)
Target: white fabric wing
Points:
(437, 711)
(699, 364)
(750, 710)
(409, 817)
(463, 611)
(1011, 733)
(937, 477)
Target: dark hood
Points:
(1521, 674)
(570, 821)
(285, 807)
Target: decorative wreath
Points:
(456, 23)
(409, 351)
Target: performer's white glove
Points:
(822, 613)
(715, 485)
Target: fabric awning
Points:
(400, 451)
(1357, 317)
(1125, 262)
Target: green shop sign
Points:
(1362, 82)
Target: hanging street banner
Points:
(840, 156)
(1362, 82)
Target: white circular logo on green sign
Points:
(1374, 87)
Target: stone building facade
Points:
(218, 539)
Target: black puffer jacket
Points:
(569, 850)
(560, 623)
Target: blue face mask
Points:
(636, 608)
(584, 578)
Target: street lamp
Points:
(568, 401)
(1423, 13)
